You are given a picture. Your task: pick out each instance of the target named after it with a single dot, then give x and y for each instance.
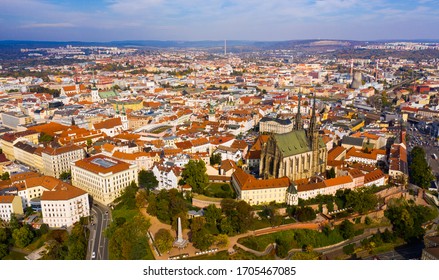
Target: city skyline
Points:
(104, 20)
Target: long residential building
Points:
(8, 140)
(254, 191)
(29, 154)
(58, 160)
(104, 178)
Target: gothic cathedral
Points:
(298, 154)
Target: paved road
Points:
(98, 242)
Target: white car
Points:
(93, 255)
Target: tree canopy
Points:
(361, 200)
(163, 240)
(195, 175)
(420, 171)
(147, 180)
(407, 219)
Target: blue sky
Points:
(107, 20)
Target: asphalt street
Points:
(98, 243)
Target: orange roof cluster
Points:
(47, 182)
(108, 123)
(335, 152)
(352, 152)
(7, 199)
(130, 156)
(61, 150)
(248, 182)
(51, 128)
(338, 181)
(23, 176)
(62, 191)
(373, 176)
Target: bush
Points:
(367, 220)
(349, 249)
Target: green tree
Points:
(349, 249)
(67, 175)
(215, 159)
(282, 247)
(128, 197)
(407, 219)
(361, 200)
(212, 215)
(195, 175)
(147, 180)
(197, 224)
(228, 205)
(45, 138)
(152, 204)
(226, 226)
(222, 240)
(346, 229)
(5, 235)
(420, 171)
(305, 214)
(244, 215)
(14, 223)
(129, 241)
(163, 240)
(23, 236)
(202, 239)
(4, 250)
(5, 176)
(77, 242)
(28, 211)
(89, 142)
(55, 251)
(331, 173)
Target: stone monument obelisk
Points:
(180, 242)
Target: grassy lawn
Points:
(265, 223)
(37, 243)
(220, 190)
(14, 256)
(128, 214)
(160, 129)
(296, 238)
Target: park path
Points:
(156, 225)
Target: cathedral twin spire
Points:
(313, 122)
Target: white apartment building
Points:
(167, 177)
(10, 204)
(64, 206)
(58, 160)
(104, 178)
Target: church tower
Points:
(298, 123)
(123, 116)
(313, 136)
(94, 91)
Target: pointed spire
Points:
(314, 105)
(117, 108)
(313, 122)
(298, 124)
(123, 110)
